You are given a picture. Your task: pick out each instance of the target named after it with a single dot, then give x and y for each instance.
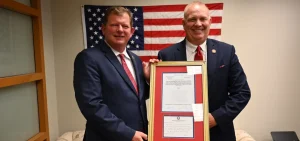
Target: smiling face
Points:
(196, 23)
(118, 30)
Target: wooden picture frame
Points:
(178, 101)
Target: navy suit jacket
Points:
(106, 96)
(228, 90)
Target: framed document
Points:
(178, 102)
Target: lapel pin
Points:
(214, 51)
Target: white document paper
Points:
(198, 112)
(178, 92)
(192, 70)
(178, 126)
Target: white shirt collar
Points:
(192, 48)
(117, 53)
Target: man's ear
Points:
(183, 23)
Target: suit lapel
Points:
(211, 58)
(180, 53)
(116, 63)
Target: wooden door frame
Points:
(39, 76)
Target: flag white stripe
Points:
(163, 40)
(169, 15)
(216, 26)
(162, 27)
(145, 52)
(174, 27)
(170, 40)
(162, 15)
(216, 13)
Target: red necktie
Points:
(128, 72)
(198, 55)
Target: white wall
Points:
(49, 69)
(264, 33)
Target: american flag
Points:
(156, 27)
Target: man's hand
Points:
(139, 136)
(212, 121)
(146, 68)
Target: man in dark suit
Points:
(228, 90)
(109, 84)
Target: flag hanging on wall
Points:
(156, 27)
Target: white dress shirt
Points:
(191, 50)
(127, 60)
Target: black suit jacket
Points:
(106, 96)
(228, 90)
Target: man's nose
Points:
(198, 23)
(120, 28)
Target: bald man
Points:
(228, 89)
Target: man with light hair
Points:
(109, 84)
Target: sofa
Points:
(241, 135)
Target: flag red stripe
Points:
(155, 46)
(215, 32)
(164, 33)
(216, 19)
(215, 6)
(180, 33)
(169, 8)
(147, 58)
(163, 8)
(175, 21)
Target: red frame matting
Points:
(158, 114)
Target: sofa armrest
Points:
(65, 137)
(72, 136)
(242, 135)
(78, 135)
